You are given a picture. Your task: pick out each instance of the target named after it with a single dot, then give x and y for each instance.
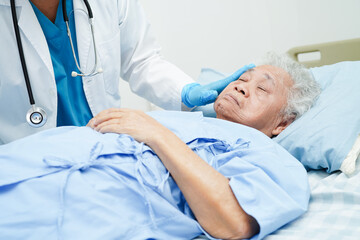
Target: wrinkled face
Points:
(256, 99)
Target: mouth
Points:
(232, 98)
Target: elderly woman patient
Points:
(165, 175)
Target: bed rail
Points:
(327, 53)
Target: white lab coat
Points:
(126, 49)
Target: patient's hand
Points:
(135, 123)
(207, 191)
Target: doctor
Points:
(48, 80)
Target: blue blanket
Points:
(75, 183)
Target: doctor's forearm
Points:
(207, 191)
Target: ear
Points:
(282, 125)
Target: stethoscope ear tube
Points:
(66, 19)
(36, 116)
(65, 16)
(95, 69)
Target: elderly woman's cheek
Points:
(217, 107)
(221, 108)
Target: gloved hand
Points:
(194, 94)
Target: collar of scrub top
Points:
(95, 69)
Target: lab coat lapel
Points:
(32, 31)
(83, 35)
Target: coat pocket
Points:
(110, 57)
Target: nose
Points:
(241, 88)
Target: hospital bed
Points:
(328, 144)
(325, 139)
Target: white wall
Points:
(226, 34)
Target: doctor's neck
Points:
(47, 7)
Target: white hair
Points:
(305, 89)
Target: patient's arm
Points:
(207, 191)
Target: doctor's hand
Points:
(194, 94)
(135, 123)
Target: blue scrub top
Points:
(73, 108)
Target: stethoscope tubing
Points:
(36, 117)
(21, 53)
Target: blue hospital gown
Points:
(75, 183)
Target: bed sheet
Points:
(334, 209)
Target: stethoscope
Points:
(36, 116)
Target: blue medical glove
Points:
(194, 94)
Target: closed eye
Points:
(262, 88)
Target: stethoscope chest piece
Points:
(36, 117)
